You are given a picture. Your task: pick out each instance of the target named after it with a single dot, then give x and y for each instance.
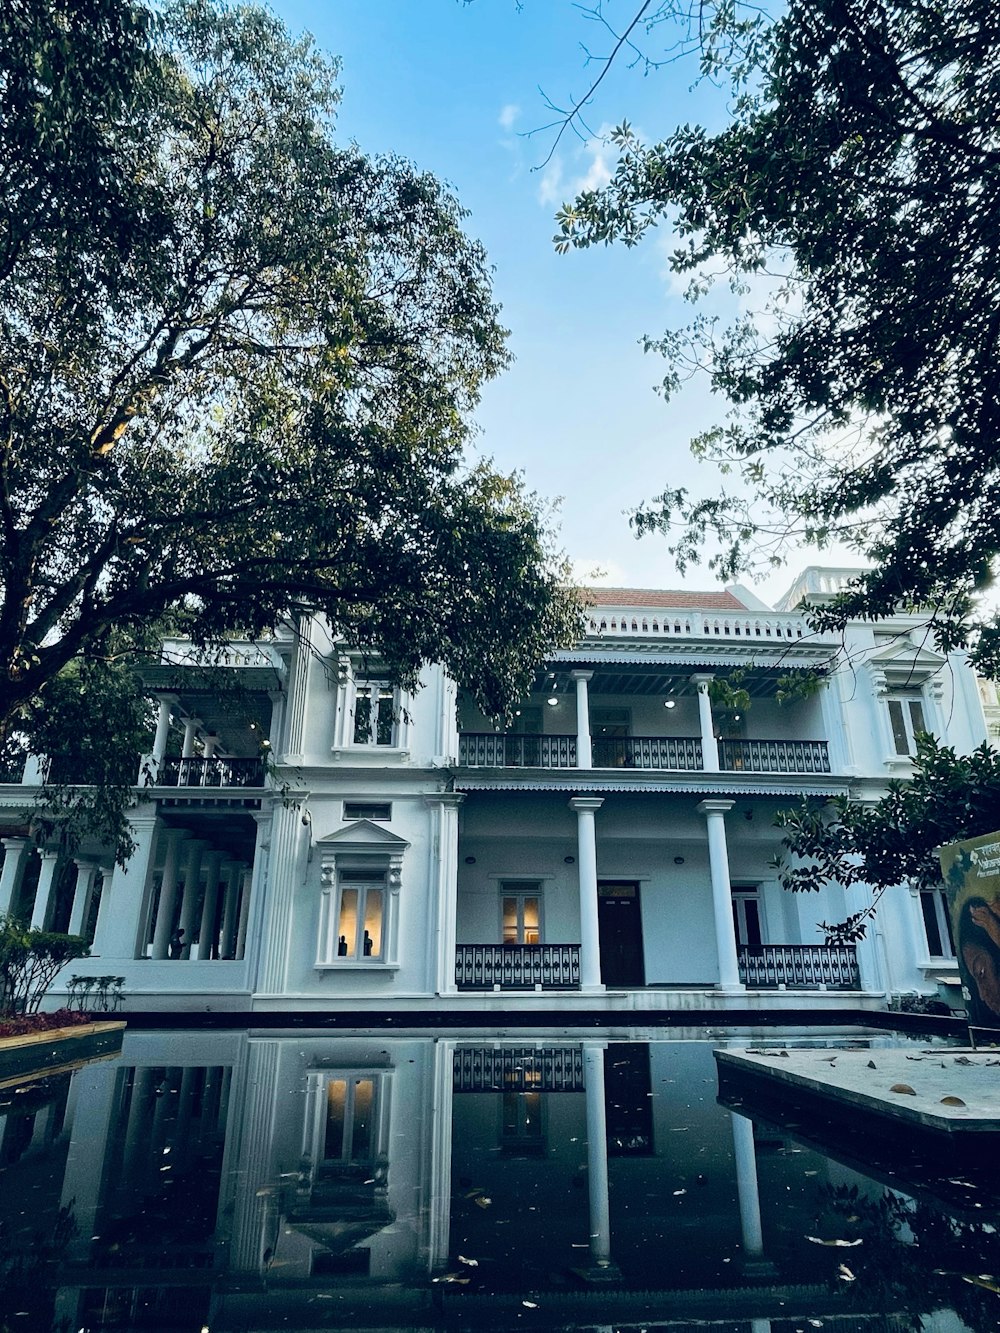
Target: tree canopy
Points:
(895, 840)
(857, 185)
(237, 363)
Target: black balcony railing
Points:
(217, 771)
(518, 1069)
(681, 752)
(517, 966)
(774, 756)
(800, 965)
(492, 750)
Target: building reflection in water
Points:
(236, 1181)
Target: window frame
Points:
(741, 894)
(905, 701)
(379, 691)
(520, 890)
(348, 866)
(937, 909)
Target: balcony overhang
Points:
(638, 672)
(702, 784)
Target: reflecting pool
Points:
(259, 1181)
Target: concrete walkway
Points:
(909, 1084)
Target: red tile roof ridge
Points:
(663, 597)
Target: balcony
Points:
(217, 771)
(517, 966)
(657, 753)
(800, 965)
(774, 756)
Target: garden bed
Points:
(41, 1041)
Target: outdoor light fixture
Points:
(470, 860)
(552, 701)
(670, 703)
(678, 860)
(570, 860)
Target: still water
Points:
(241, 1181)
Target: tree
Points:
(236, 365)
(857, 183)
(893, 841)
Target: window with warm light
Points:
(520, 914)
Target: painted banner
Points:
(971, 873)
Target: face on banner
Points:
(971, 873)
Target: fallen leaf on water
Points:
(676, 1192)
(472, 1263)
(846, 1244)
(845, 1274)
(963, 1060)
(483, 1200)
(451, 1277)
(532, 1305)
(952, 1101)
(902, 1087)
(986, 1282)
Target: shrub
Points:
(29, 961)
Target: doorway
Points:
(619, 916)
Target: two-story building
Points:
(307, 838)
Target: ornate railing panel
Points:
(799, 965)
(216, 771)
(518, 1069)
(517, 966)
(774, 756)
(493, 750)
(680, 752)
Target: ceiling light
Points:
(670, 703)
(552, 701)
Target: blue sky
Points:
(454, 87)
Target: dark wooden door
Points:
(620, 920)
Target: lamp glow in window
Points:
(521, 918)
(360, 921)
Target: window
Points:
(906, 720)
(520, 913)
(937, 923)
(610, 721)
(375, 810)
(747, 916)
(375, 713)
(351, 1110)
(360, 916)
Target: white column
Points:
(33, 774)
(231, 873)
(590, 938)
(191, 894)
(295, 708)
(584, 755)
(722, 893)
(257, 893)
(43, 894)
(207, 934)
(83, 894)
(243, 881)
(14, 858)
(149, 765)
(444, 879)
(597, 1155)
(285, 870)
(123, 898)
(164, 924)
(709, 745)
(190, 729)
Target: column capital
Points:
(702, 679)
(581, 675)
(49, 853)
(714, 807)
(449, 800)
(14, 844)
(579, 803)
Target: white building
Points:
(612, 851)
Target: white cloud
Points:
(595, 157)
(508, 115)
